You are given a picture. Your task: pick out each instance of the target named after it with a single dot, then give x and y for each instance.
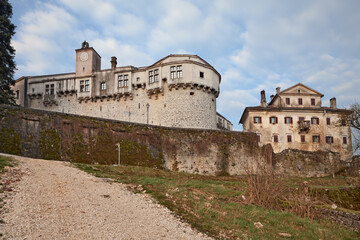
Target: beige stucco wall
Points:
(267, 130)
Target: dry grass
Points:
(215, 205)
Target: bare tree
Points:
(355, 125)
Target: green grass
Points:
(214, 205)
(6, 161)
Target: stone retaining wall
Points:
(50, 135)
(59, 136)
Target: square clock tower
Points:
(87, 61)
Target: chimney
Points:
(277, 90)
(333, 103)
(263, 98)
(113, 62)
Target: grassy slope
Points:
(214, 205)
(5, 161)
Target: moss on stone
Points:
(79, 151)
(10, 142)
(49, 144)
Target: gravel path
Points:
(56, 201)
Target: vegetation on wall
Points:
(10, 142)
(49, 143)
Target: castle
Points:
(177, 91)
(295, 119)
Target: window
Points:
(276, 138)
(172, 72)
(300, 101)
(138, 79)
(103, 86)
(344, 140)
(329, 139)
(299, 91)
(302, 138)
(287, 100)
(257, 119)
(179, 71)
(120, 81)
(258, 137)
(201, 74)
(288, 120)
(301, 119)
(84, 86)
(17, 94)
(126, 80)
(151, 76)
(176, 72)
(313, 101)
(49, 89)
(316, 138)
(154, 76)
(289, 138)
(314, 120)
(328, 121)
(273, 120)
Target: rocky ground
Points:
(52, 200)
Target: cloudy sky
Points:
(255, 45)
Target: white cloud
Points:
(242, 58)
(37, 40)
(98, 10)
(125, 53)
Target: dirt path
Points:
(56, 201)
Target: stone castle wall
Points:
(51, 135)
(182, 107)
(182, 94)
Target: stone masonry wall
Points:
(50, 135)
(59, 136)
(188, 108)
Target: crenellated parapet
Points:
(196, 86)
